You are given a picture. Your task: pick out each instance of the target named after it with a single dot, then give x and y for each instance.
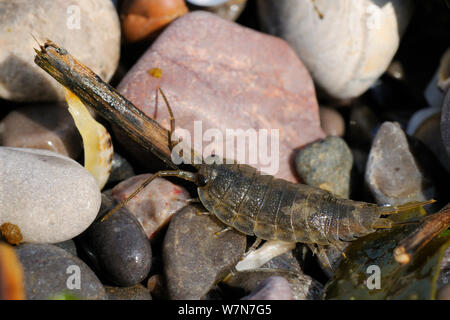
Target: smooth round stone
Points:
(45, 126)
(392, 173)
(69, 246)
(51, 271)
(331, 122)
(346, 45)
(121, 169)
(142, 18)
(326, 165)
(137, 292)
(195, 258)
(302, 286)
(88, 29)
(118, 247)
(51, 198)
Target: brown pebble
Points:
(11, 233)
(141, 18)
(331, 121)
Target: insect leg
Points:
(218, 233)
(186, 175)
(253, 247)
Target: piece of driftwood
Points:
(432, 226)
(104, 99)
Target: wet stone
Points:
(326, 164)
(260, 85)
(117, 247)
(46, 126)
(392, 172)
(137, 292)
(303, 287)
(48, 270)
(194, 257)
(272, 288)
(155, 205)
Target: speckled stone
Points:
(47, 269)
(117, 247)
(155, 205)
(272, 288)
(69, 246)
(326, 164)
(392, 173)
(194, 257)
(88, 29)
(228, 77)
(51, 198)
(303, 287)
(44, 126)
(137, 292)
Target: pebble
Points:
(51, 271)
(331, 122)
(44, 126)
(272, 288)
(445, 122)
(117, 247)
(137, 292)
(209, 76)
(429, 132)
(155, 205)
(69, 246)
(195, 258)
(141, 19)
(121, 169)
(302, 286)
(226, 9)
(392, 173)
(326, 164)
(51, 198)
(324, 34)
(89, 30)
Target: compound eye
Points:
(202, 181)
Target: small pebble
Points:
(118, 247)
(50, 197)
(142, 18)
(121, 169)
(195, 258)
(331, 122)
(302, 287)
(45, 126)
(392, 173)
(69, 246)
(326, 165)
(155, 205)
(51, 271)
(272, 288)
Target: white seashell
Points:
(98, 148)
(345, 44)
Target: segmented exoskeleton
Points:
(275, 209)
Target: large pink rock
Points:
(229, 77)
